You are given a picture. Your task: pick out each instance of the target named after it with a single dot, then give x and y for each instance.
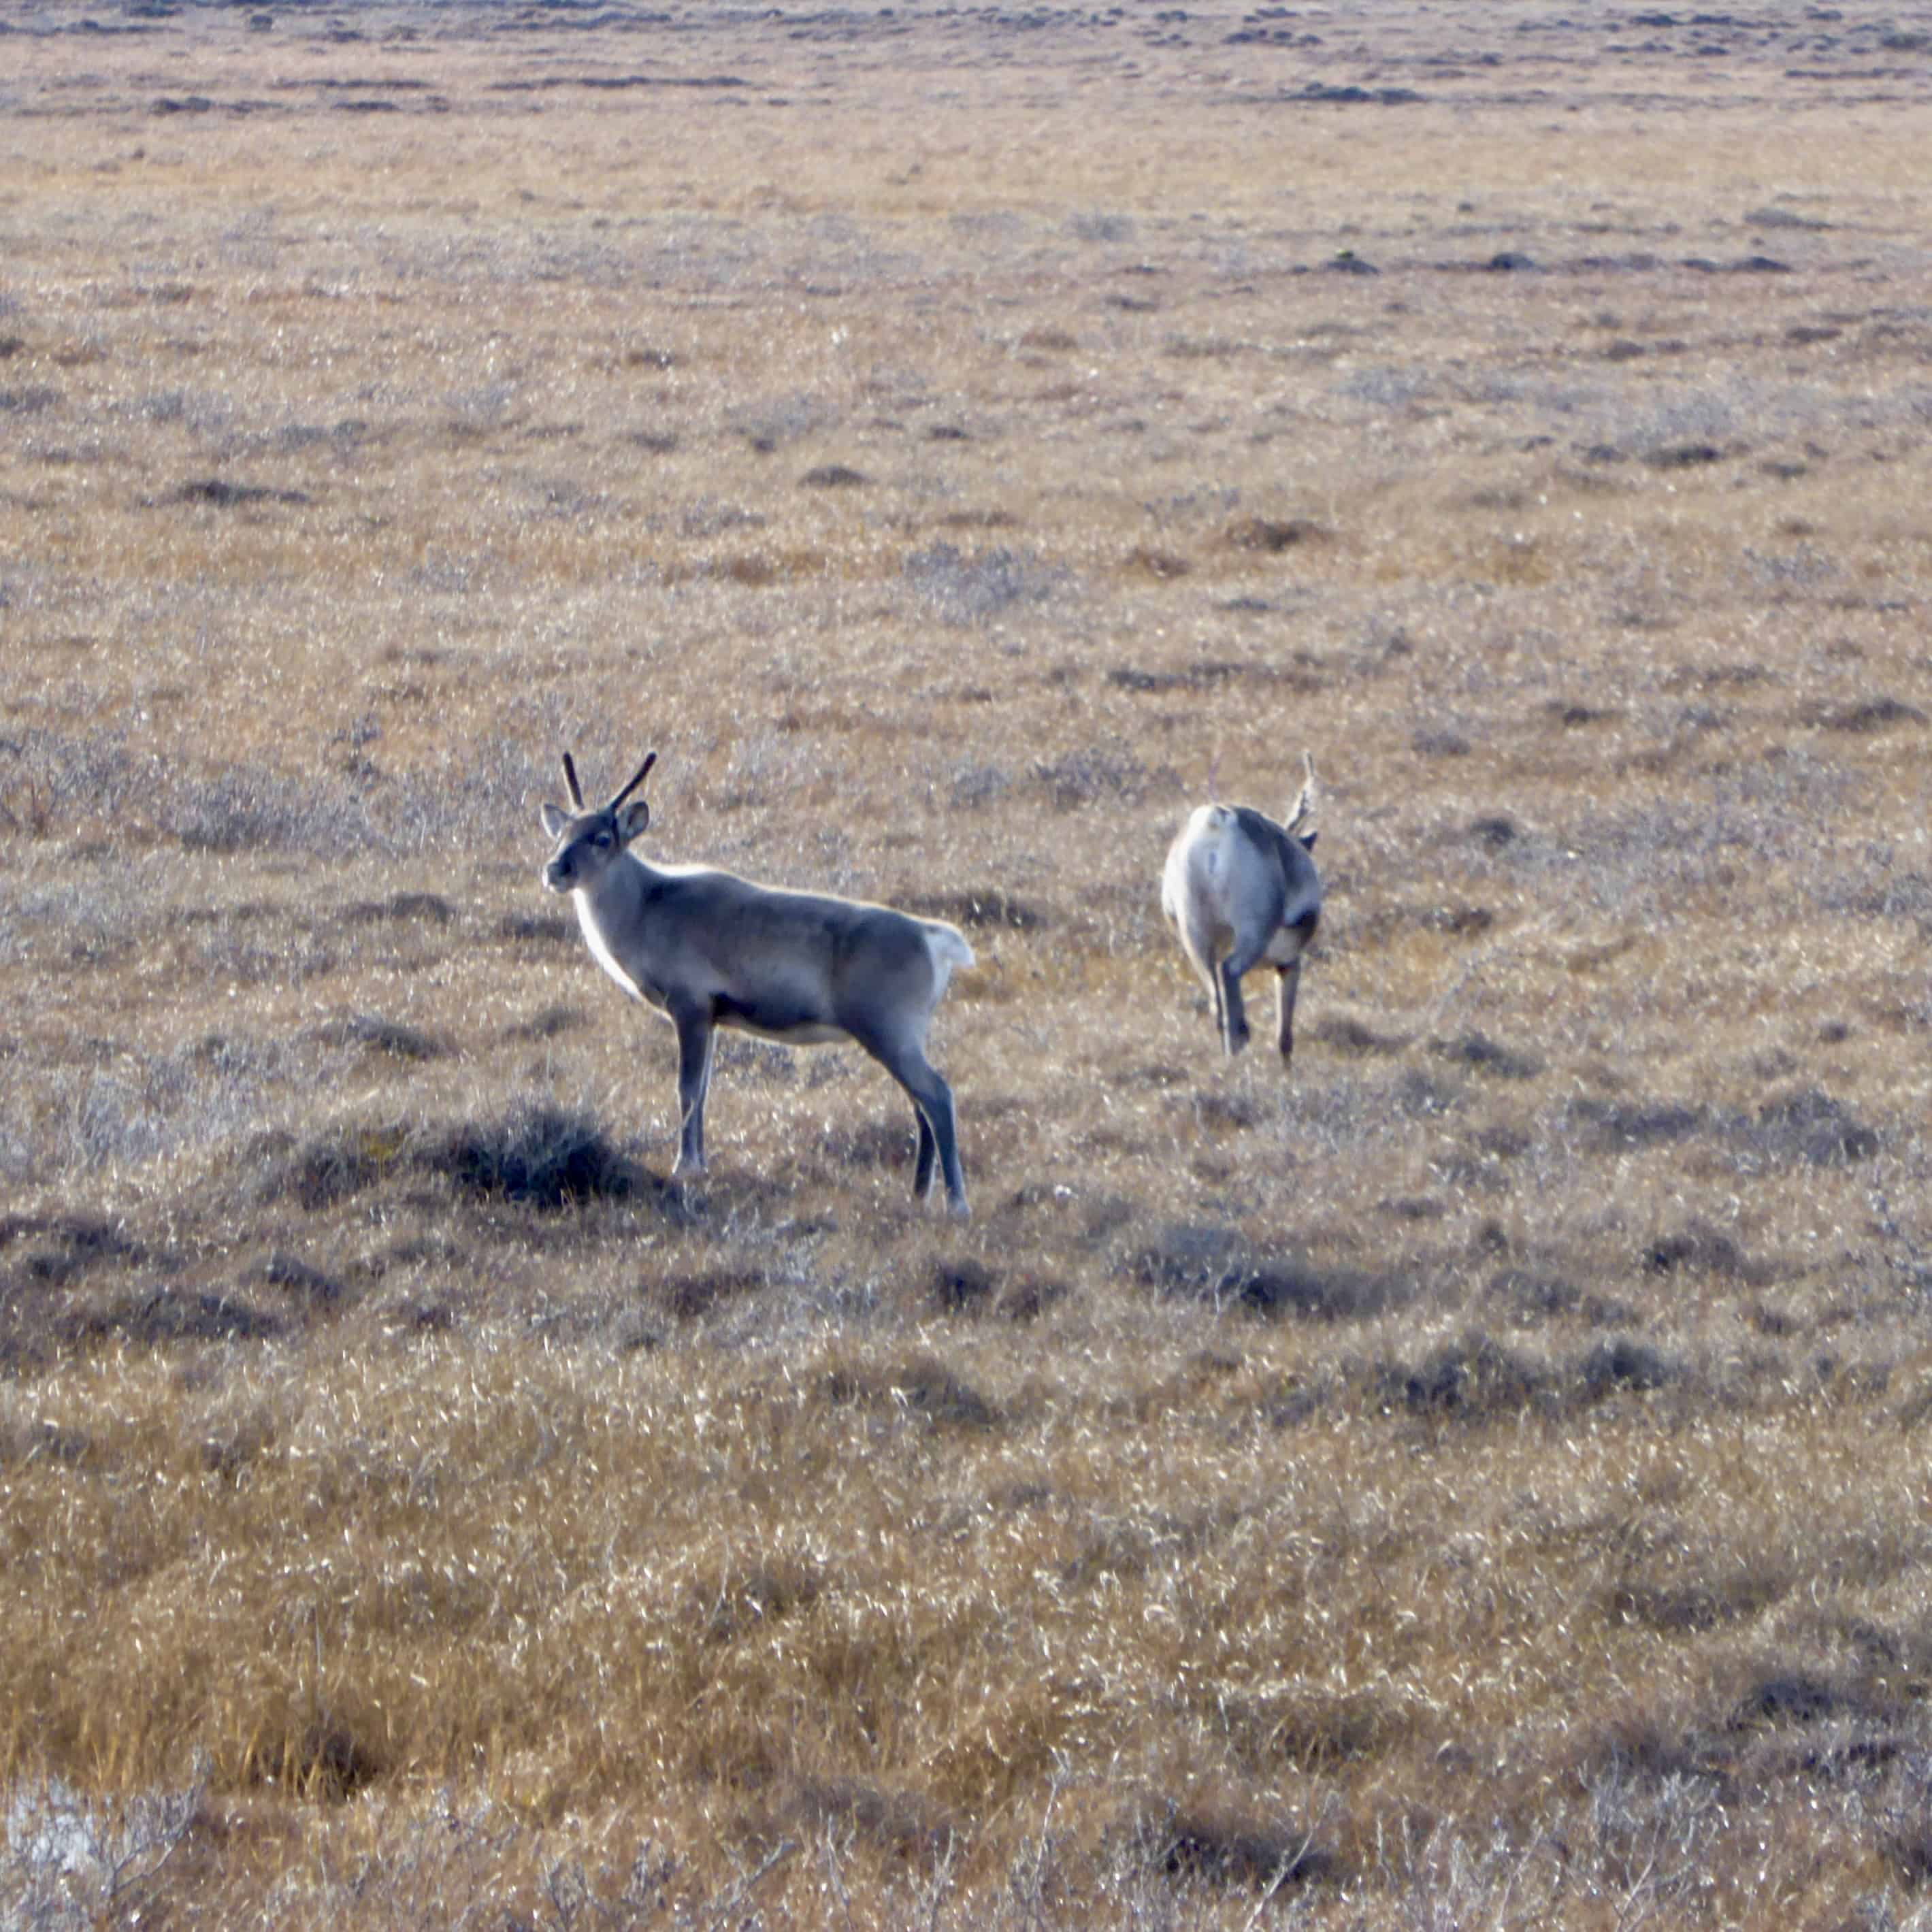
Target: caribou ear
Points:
(1308, 839)
(632, 820)
(554, 820)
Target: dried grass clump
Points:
(975, 589)
(371, 1033)
(535, 1155)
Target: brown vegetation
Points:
(1476, 1481)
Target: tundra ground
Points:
(1476, 1478)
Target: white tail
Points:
(947, 945)
(1241, 891)
(709, 949)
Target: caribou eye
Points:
(600, 837)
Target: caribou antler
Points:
(570, 779)
(1304, 804)
(636, 782)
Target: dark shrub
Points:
(536, 1154)
(1478, 1051)
(1623, 1364)
(1473, 1380)
(1809, 1126)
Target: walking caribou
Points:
(1242, 891)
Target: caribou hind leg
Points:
(934, 1099)
(1246, 955)
(927, 1165)
(925, 1087)
(1290, 982)
(1197, 941)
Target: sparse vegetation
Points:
(1474, 1481)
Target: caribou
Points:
(709, 949)
(1242, 891)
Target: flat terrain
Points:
(1476, 1478)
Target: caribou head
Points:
(587, 840)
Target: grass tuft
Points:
(1474, 1380)
(392, 1038)
(1220, 1838)
(920, 1386)
(533, 1155)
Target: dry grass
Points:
(1475, 1481)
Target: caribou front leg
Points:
(695, 1036)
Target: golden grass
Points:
(1476, 1474)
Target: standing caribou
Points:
(709, 949)
(1241, 890)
